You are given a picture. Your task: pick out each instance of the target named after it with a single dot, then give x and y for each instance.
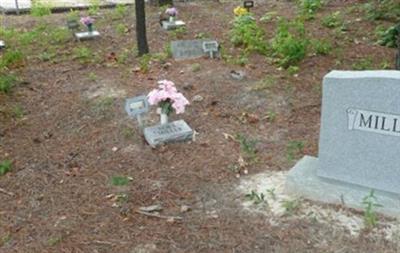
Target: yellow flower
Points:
(239, 11)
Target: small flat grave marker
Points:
(72, 24)
(2, 44)
(87, 35)
(188, 49)
(248, 4)
(175, 131)
(137, 106)
(168, 25)
(211, 48)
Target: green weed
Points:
(144, 63)
(18, 112)
(247, 33)
(7, 82)
(289, 44)
(247, 147)
(5, 166)
(11, 58)
(363, 64)
(389, 36)
(196, 67)
(121, 29)
(120, 11)
(119, 180)
(293, 148)
(383, 10)
(308, 8)
(255, 197)
(291, 206)
(83, 54)
(322, 47)
(333, 20)
(40, 10)
(370, 203)
(94, 7)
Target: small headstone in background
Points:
(86, 35)
(137, 106)
(210, 48)
(359, 142)
(168, 25)
(175, 131)
(188, 49)
(248, 4)
(72, 24)
(2, 44)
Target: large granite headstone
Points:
(175, 131)
(188, 49)
(359, 142)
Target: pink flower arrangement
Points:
(171, 11)
(87, 21)
(168, 98)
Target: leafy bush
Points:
(388, 37)
(7, 82)
(40, 10)
(247, 33)
(289, 46)
(309, 7)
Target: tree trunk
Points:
(165, 2)
(141, 37)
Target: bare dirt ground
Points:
(63, 154)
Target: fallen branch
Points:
(6, 192)
(159, 216)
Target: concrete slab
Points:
(302, 181)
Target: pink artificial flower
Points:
(171, 11)
(87, 21)
(167, 91)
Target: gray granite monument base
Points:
(302, 181)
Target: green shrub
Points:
(389, 36)
(7, 82)
(40, 9)
(309, 7)
(289, 45)
(247, 33)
